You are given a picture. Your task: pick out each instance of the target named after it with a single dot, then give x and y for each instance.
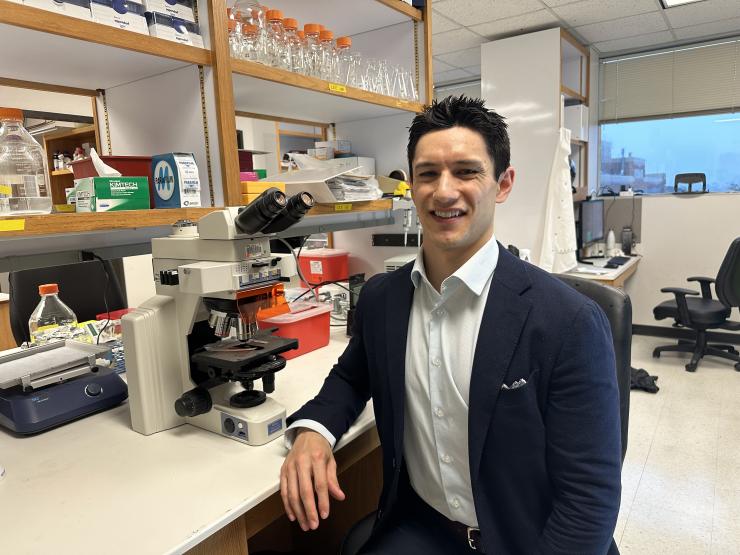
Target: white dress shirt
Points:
(440, 345)
(442, 334)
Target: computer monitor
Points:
(590, 223)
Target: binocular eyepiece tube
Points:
(272, 212)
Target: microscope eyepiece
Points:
(261, 211)
(294, 210)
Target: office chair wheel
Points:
(691, 367)
(656, 353)
(737, 367)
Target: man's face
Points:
(455, 190)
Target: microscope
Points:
(194, 350)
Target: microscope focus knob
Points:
(194, 402)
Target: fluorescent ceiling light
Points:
(673, 3)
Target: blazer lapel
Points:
(398, 301)
(503, 319)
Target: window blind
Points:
(682, 80)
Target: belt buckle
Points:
(473, 542)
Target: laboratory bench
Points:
(615, 277)
(95, 486)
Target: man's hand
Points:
(309, 467)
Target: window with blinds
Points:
(685, 80)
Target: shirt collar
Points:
(475, 273)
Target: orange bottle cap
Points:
(326, 35)
(232, 24)
(48, 289)
(274, 15)
(290, 23)
(344, 41)
(311, 28)
(321, 27)
(11, 113)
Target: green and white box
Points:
(107, 194)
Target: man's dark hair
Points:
(462, 111)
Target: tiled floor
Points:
(681, 476)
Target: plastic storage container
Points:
(52, 320)
(320, 265)
(306, 322)
(23, 177)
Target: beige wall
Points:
(682, 236)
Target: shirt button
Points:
(456, 503)
(442, 312)
(446, 458)
(439, 412)
(436, 361)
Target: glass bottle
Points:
(294, 44)
(278, 51)
(251, 44)
(235, 40)
(344, 62)
(51, 320)
(313, 49)
(23, 173)
(328, 55)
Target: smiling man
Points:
(493, 383)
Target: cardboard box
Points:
(337, 145)
(124, 14)
(363, 165)
(321, 153)
(313, 181)
(74, 8)
(181, 9)
(257, 187)
(176, 180)
(108, 194)
(171, 28)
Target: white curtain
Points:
(558, 252)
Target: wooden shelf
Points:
(61, 172)
(55, 224)
(403, 8)
(271, 91)
(571, 95)
(95, 55)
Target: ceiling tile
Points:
(447, 76)
(622, 28)
(472, 12)
(473, 70)
(553, 3)
(439, 66)
(459, 39)
(592, 11)
(702, 12)
(708, 29)
(533, 21)
(440, 24)
(633, 43)
(462, 58)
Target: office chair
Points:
(690, 179)
(618, 308)
(705, 313)
(81, 287)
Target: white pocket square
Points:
(515, 385)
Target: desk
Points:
(615, 277)
(96, 486)
(6, 333)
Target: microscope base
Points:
(253, 426)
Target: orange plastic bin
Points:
(307, 322)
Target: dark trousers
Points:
(414, 528)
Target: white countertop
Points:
(96, 486)
(597, 271)
(4, 297)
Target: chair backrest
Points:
(727, 285)
(617, 306)
(690, 179)
(81, 286)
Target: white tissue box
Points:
(73, 8)
(124, 14)
(182, 9)
(171, 28)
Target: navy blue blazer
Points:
(545, 459)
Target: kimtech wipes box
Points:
(176, 181)
(106, 194)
